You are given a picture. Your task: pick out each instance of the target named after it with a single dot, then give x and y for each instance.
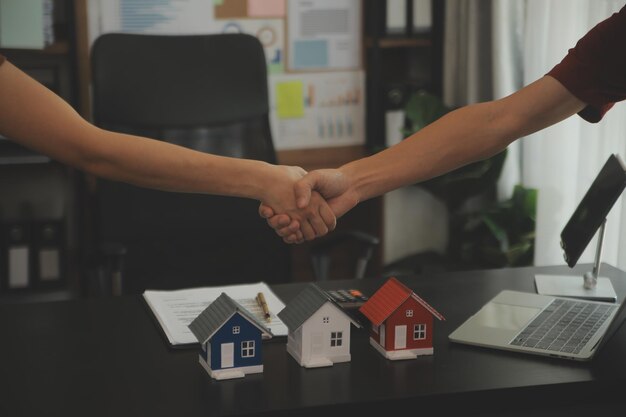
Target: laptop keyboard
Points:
(564, 326)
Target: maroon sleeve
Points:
(595, 69)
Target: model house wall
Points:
(236, 344)
(409, 327)
(323, 338)
(319, 330)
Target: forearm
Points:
(35, 117)
(458, 138)
(463, 136)
(155, 164)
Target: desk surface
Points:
(106, 357)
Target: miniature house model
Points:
(319, 330)
(402, 322)
(231, 339)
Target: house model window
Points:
(409, 313)
(419, 332)
(236, 329)
(336, 338)
(326, 320)
(247, 349)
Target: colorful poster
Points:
(237, 9)
(269, 31)
(314, 110)
(266, 8)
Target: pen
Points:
(261, 300)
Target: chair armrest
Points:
(106, 276)
(320, 252)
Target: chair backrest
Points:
(209, 93)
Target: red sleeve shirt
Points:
(595, 69)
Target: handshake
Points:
(302, 206)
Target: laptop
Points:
(540, 324)
(552, 324)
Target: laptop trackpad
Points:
(504, 316)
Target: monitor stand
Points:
(590, 287)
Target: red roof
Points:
(388, 298)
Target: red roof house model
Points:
(402, 322)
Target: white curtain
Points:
(525, 39)
(562, 161)
(483, 61)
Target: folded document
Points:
(174, 310)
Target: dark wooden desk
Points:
(105, 357)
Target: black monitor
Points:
(593, 209)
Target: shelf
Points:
(56, 48)
(391, 42)
(318, 158)
(29, 296)
(13, 154)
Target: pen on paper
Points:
(260, 298)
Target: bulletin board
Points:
(312, 48)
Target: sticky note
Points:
(266, 8)
(289, 99)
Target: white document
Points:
(176, 309)
(167, 17)
(324, 34)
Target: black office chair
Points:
(206, 92)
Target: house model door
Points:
(317, 346)
(228, 355)
(400, 339)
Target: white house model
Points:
(319, 330)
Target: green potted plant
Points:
(494, 234)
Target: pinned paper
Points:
(266, 8)
(290, 99)
(310, 54)
(231, 9)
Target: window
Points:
(336, 339)
(236, 329)
(247, 349)
(409, 313)
(326, 320)
(419, 332)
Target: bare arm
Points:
(463, 136)
(35, 117)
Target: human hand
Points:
(316, 219)
(332, 184)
